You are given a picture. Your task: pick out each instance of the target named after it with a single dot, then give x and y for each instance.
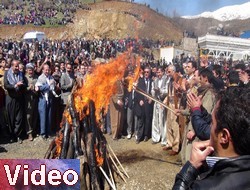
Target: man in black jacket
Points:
(229, 143)
(144, 108)
(15, 84)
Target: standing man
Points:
(130, 101)
(159, 91)
(62, 67)
(81, 72)
(45, 85)
(206, 93)
(15, 84)
(144, 108)
(218, 81)
(67, 82)
(117, 111)
(190, 69)
(173, 133)
(2, 96)
(31, 102)
(229, 167)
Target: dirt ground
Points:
(148, 166)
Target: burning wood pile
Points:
(80, 136)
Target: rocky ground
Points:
(148, 166)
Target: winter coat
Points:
(225, 174)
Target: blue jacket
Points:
(201, 121)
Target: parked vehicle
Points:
(34, 36)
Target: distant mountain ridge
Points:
(227, 13)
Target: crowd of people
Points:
(37, 78)
(33, 64)
(176, 127)
(78, 50)
(29, 59)
(37, 12)
(205, 119)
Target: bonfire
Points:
(80, 136)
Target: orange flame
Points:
(99, 158)
(67, 115)
(101, 85)
(132, 80)
(58, 142)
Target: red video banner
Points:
(39, 174)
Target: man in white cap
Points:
(31, 102)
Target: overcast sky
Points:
(189, 7)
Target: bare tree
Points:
(175, 14)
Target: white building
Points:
(169, 53)
(225, 47)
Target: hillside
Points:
(202, 26)
(110, 19)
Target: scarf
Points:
(11, 77)
(202, 90)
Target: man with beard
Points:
(229, 167)
(15, 84)
(66, 82)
